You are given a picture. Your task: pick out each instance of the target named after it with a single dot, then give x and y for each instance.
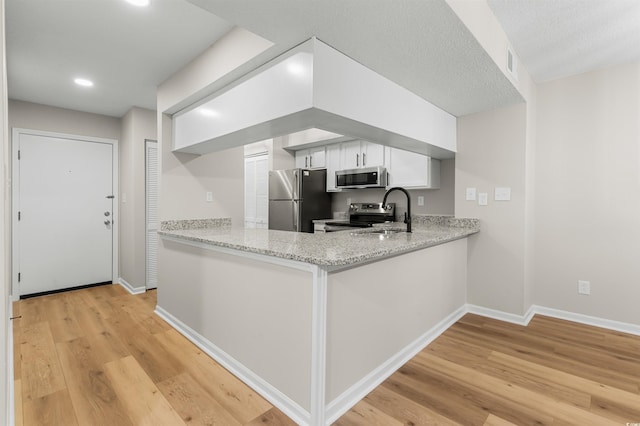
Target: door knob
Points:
(107, 222)
(107, 213)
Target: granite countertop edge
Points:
(337, 249)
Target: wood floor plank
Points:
(242, 402)
(497, 421)
(405, 410)
(41, 371)
(144, 402)
(559, 410)
(54, 409)
(365, 414)
(94, 400)
(193, 403)
(17, 402)
(273, 417)
(158, 363)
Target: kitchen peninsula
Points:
(314, 321)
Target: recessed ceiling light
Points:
(83, 82)
(140, 3)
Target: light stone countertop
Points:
(341, 248)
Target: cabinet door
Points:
(302, 159)
(372, 154)
(317, 157)
(333, 164)
(411, 170)
(350, 155)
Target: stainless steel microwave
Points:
(368, 177)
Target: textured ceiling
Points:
(560, 38)
(127, 51)
(419, 44)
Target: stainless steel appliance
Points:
(366, 177)
(364, 215)
(296, 197)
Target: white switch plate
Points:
(420, 200)
(471, 194)
(502, 194)
(584, 287)
(209, 196)
(483, 199)
(124, 198)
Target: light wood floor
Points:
(101, 357)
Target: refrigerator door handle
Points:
(295, 211)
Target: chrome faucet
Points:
(407, 218)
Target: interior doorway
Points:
(65, 211)
(256, 191)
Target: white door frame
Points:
(15, 185)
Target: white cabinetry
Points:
(411, 170)
(357, 154)
(311, 158)
(332, 164)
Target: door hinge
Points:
(19, 276)
(19, 216)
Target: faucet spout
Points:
(397, 188)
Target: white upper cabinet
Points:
(411, 170)
(332, 157)
(312, 158)
(358, 154)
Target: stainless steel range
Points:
(364, 215)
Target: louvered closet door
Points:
(152, 213)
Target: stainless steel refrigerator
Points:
(296, 197)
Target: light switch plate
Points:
(124, 198)
(209, 196)
(420, 200)
(483, 199)
(471, 194)
(502, 194)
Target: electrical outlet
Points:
(471, 194)
(483, 199)
(584, 287)
(348, 201)
(420, 200)
(208, 197)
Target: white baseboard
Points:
(364, 386)
(623, 327)
(11, 395)
(285, 404)
(500, 315)
(131, 289)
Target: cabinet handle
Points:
(357, 160)
(310, 161)
(364, 160)
(306, 161)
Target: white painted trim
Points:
(364, 386)
(266, 390)
(588, 320)
(500, 315)
(131, 289)
(11, 394)
(15, 185)
(318, 347)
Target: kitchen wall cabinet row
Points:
(404, 168)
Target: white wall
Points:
(492, 153)
(186, 178)
(587, 191)
(138, 125)
(51, 119)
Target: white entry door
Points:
(65, 212)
